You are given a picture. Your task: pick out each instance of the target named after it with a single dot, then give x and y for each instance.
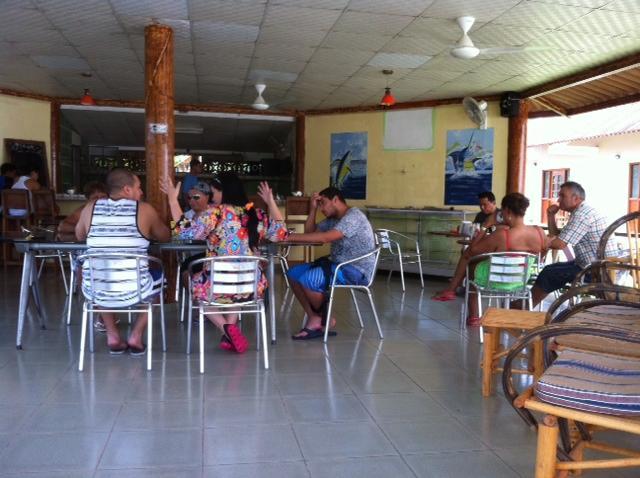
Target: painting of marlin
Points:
(343, 170)
(348, 164)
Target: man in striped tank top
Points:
(121, 223)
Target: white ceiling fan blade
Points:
(504, 50)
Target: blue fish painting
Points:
(348, 168)
(469, 165)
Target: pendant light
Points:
(87, 99)
(388, 99)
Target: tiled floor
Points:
(407, 406)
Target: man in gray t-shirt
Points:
(351, 235)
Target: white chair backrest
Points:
(510, 268)
(232, 275)
(382, 238)
(115, 272)
(375, 252)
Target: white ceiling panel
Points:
(176, 9)
(301, 18)
(244, 13)
(277, 64)
(502, 35)
(342, 56)
(541, 15)
(579, 3)
(445, 32)
(393, 7)
(321, 4)
(602, 22)
(284, 51)
(415, 46)
(631, 6)
(360, 22)
(288, 35)
(483, 10)
(398, 60)
(219, 32)
(357, 41)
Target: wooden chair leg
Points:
(547, 445)
(490, 339)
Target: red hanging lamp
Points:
(87, 99)
(387, 99)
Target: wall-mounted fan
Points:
(476, 111)
(259, 103)
(465, 49)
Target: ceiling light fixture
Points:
(87, 99)
(388, 99)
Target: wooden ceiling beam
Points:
(601, 71)
(605, 104)
(562, 111)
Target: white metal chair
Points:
(105, 269)
(230, 275)
(507, 279)
(390, 241)
(352, 288)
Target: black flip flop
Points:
(118, 349)
(137, 351)
(313, 334)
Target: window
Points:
(634, 187)
(552, 179)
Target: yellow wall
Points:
(24, 118)
(399, 178)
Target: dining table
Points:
(29, 247)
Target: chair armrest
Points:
(356, 259)
(598, 289)
(544, 333)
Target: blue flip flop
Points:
(313, 334)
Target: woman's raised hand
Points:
(172, 191)
(265, 192)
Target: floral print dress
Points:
(224, 227)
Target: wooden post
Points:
(159, 126)
(491, 337)
(159, 117)
(547, 444)
(56, 174)
(517, 149)
(300, 152)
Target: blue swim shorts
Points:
(311, 276)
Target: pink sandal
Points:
(239, 341)
(444, 296)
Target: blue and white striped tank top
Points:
(114, 228)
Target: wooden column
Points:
(300, 152)
(159, 117)
(56, 173)
(517, 149)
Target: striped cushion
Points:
(615, 317)
(592, 382)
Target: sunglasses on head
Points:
(195, 196)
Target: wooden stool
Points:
(514, 321)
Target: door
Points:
(552, 179)
(634, 187)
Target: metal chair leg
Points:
(420, 270)
(189, 323)
(263, 323)
(83, 337)
(355, 303)
(149, 333)
(201, 337)
(375, 314)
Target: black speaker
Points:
(510, 104)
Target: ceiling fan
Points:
(259, 103)
(465, 49)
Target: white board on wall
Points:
(408, 129)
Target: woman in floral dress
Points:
(233, 228)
